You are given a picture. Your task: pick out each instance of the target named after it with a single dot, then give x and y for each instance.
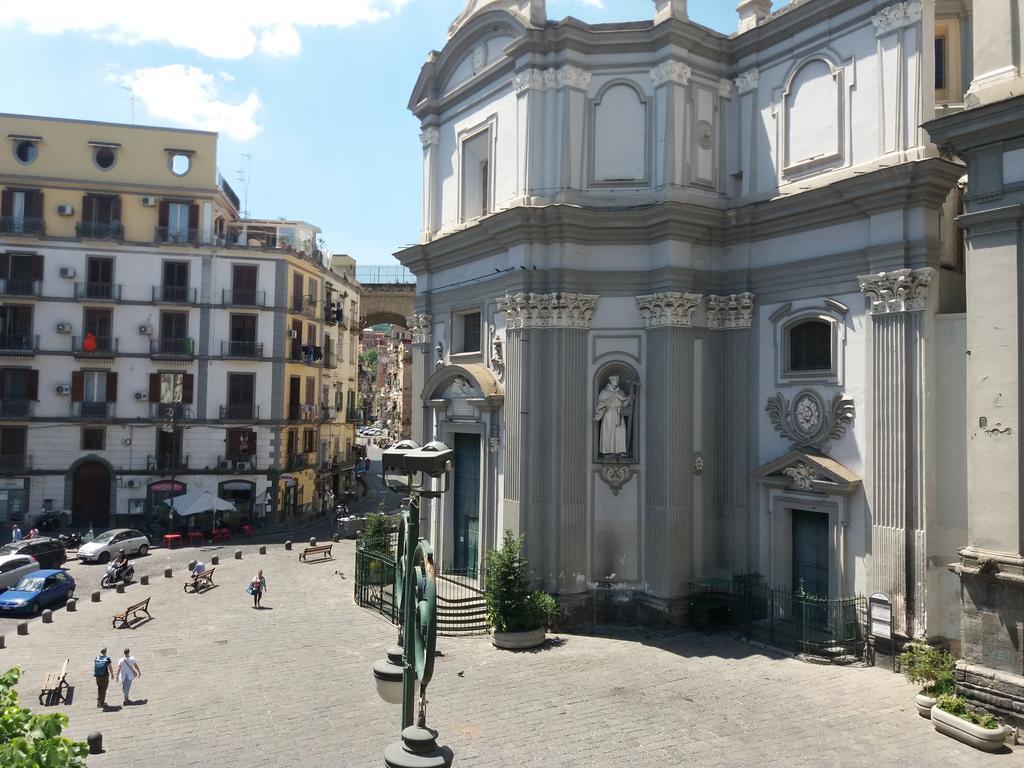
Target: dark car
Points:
(49, 552)
(37, 590)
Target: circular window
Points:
(180, 164)
(26, 151)
(104, 157)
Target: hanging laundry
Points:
(318, 353)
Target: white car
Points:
(104, 547)
(13, 567)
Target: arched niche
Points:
(813, 115)
(619, 134)
(616, 410)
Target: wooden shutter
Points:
(164, 214)
(154, 387)
(88, 209)
(234, 443)
(31, 384)
(115, 209)
(37, 268)
(7, 203)
(77, 386)
(186, 388)
(193, 219)
(5, 265)
(34, 205)
(111, 387)
(251, 446)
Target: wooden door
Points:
(90, 496)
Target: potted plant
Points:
(953, 717)
(517, 615)
(933, 669)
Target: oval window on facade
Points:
(25, 152)
(104, 157)
(180, 163)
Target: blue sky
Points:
(314, 90)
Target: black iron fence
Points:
(375, 575)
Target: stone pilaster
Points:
(422, 327)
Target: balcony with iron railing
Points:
(172, 348)
(18, 344)
(243, 298)
(170, 412)
(303, 412)
(15, 461)
(174, 294)
(101, 346)
(177, 236)
(17, 409)
(165, 462)
(237, 463)
(241, 349)
(326, 413)
(98, 291)
(92, 410)
(22, 225)
(312, 307)
(100, 230)
(353, 414)
(240, 412)
(300, 460)
(16, 287)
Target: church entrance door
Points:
(467, 501)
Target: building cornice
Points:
(960, 132)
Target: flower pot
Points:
(986, 739)
(924, 704)
(515, 641)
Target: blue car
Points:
(37, 590)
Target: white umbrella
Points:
(197, 502)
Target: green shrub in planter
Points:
(957, 705)
(932, 668)
(511, 605)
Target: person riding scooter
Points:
(120, 564)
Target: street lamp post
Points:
(415, 587)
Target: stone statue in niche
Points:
(614, 415)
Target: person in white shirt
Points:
(127, 671)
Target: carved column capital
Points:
(671, 72)
(905, 290)
(430, 137)
(727, 312)
(896, 16)
(669, 309)
(551, 79)
(422, 327)
(548, 310)
(748, 81)
(725, 88)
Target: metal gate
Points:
(375, 576)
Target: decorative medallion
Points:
(616, 476)
(697, 463)
(705, 134)
(807, 421)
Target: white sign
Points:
(880, 611)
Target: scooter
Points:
(110, 578)
(70, 540)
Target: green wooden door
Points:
(467, 501)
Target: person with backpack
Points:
(257, 587)
(102, 670)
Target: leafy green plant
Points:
(932, 668)
(957, 705)
(511, 605)
(33, 741)
(375, 536)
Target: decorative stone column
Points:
(896, 487)
(546, 413)
(749, 126)
(430, 138)
(422, 328)
(671, 80)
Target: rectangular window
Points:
(175, 287)
(99, 278)
(169, 448)
(21, 274)
(101, 217)
(13, 445)
(297, 296)
(243, 328)
(471, 332)
(94, 438)
(16, 328)
(243, 285)
(99, 322)
(21, 211)
(173, 331)
(309, 441)
(178, 224)
(940, 63)
(310, 391)
(476, 172)
(241, 395)
(95, 387)
(292, 444)
(172, 387)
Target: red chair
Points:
(170, 538)
(247, 530)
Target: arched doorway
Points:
(90, 495)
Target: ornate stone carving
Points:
(527, 79)
(460, 387)
(422, 328)
(807, 421)
(429, 137)
(705, 134)
(439, 351)
(548, 310)
(479, 58)
(497, 359)
(748, 81)
(573, 77)
(550, 79)
(725, 88)
(671, 72)
(697, 463)
(803, 476)
(896, 16)
(616, 476)
(905, 290)
(669, 309)
(733, 311)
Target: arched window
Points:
(810, 346)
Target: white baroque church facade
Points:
(692, 305)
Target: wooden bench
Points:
(200, 581)
(323, 549)
(55, 686)
(127, 615)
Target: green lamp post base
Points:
(417, 749)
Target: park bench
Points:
(55, 686)
(200, 581)
(323, 549)
(127, 615)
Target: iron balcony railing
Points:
(164, 462)
(174, 294)
(16, 287)
(18, 343)
(17, 409)
(22, 225)
(15, 461)
(100, 230)
(240, 412)
(325, 413)
(105, 346)
(353, 415)
(312, 307)
(233, 297)
(298, 460)
(98, 291)
(172, 347)
(170, 411)
(177, 236)
(92, 410)
(247, 349)
(237, 463)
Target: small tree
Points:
(932, 668)
(33, 741)
(511, 605)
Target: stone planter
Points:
(986, 739)
(517, 641)
(924, 705)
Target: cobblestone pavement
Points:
(227, 685)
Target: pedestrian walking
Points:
(15, 533)
(257, 587)
(33, 533)
(127, 671)
(102, 670)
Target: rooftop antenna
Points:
(243, 176)
(131, 97)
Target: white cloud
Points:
(189, 96)
(222, 29)
(593, 3)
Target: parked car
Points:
(37, 590)
(49, 552)
(13, 567)
(105, 546)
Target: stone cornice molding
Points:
(669, 309)
(905, 290)
(896, 16)
(430, 137)
(548, 310)
(728, 312)
(567, 76)
(422, 328)
(748, 81)
(671, 72)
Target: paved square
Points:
(224, 684)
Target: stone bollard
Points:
(144, 580)
(168, 573)
(3, 641)
(47, 616)
(120, 587)
(72, 605)
(22, 627)
(238, 554)
(312, 541)
(215, 560)
(95, 742)
(263, 549)
(191, 565)
(287, 545)
(95, 597)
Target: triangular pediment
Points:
(811, 472)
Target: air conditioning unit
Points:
(293, 334)
(140, 395)
(65, 210)
(225, 464)
(63, 389)
(67, 273)
(243, 466)
(147, 201)
(63, 327)
(131, 483)
(145, 330)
